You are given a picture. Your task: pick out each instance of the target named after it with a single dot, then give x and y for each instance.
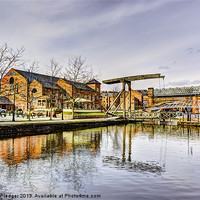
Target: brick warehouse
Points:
(23, 88)
(153, 97)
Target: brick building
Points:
(24, 88)
(154, 97)
(108, 98)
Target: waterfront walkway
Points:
(22, 128)
(43, 125)
(46, 120)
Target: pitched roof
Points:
(45, 80)
(109, 93)
(177, 91)
(78, 85)
(93, 81)
(144, 92)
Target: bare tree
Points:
(54, 69)
(78, 72)
(9, 58)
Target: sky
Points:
(117, 37)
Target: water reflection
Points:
(17, 150)
(100, 160)
(113, 161)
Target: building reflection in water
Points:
(67, 157)
(72, 158)
(17, 150)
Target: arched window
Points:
(11, 80)
(34, 90)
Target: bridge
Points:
(171, 110)
(127, 80)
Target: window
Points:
(43, 102)
(34, 101)
(22, 95)
(17, 87)
(11, 87)
(22, 85)
(34, 90)
(11, 80)
(39, 102)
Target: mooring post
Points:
(129, 88)
(124, 100)
(124, 144)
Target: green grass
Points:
(84, 113)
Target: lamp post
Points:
(14, 92)
(12, 88)
(13, 117)
(62, 106)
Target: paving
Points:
(46, 120)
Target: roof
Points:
(177, 91)
(5, 101)
(93, 81)
(109, 93)
(45, 80)
(79, 86)
(143, 92)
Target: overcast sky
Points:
(118, 37)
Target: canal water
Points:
(116, 162)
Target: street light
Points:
(62, 106)
(14, 90)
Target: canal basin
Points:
(132, 161)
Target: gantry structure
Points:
(127, 80)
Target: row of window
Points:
(11, 87)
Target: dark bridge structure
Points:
(182, 98)
(127, 80)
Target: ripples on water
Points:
(116, 162)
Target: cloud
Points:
(192, 50)
(120, 37)
(163, 67)
(183, 83)
(195, 82)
